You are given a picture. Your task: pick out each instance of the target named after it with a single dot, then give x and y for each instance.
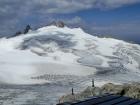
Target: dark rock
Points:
(26, 30)
(17, 33)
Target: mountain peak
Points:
(60, 24)
(69, 51)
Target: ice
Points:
(69, 51)
(64, 58)
(90, 61)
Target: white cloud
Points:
(123, 28)
(68, 6)
(75, 20)
(110, 4)
(60, 6)
(14, 11)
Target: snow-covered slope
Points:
(51, 54)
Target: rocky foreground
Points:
(129, 90)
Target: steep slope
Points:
(51, 54)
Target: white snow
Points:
(62, 51)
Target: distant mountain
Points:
(63, 51)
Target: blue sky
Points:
(117, 18)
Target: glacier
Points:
(65, 58)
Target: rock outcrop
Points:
(58, 24)
(27, 28)
(25, 31)
(129, 90)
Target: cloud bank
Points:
(15, 12)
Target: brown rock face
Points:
(58, 24)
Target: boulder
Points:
(112, 88)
